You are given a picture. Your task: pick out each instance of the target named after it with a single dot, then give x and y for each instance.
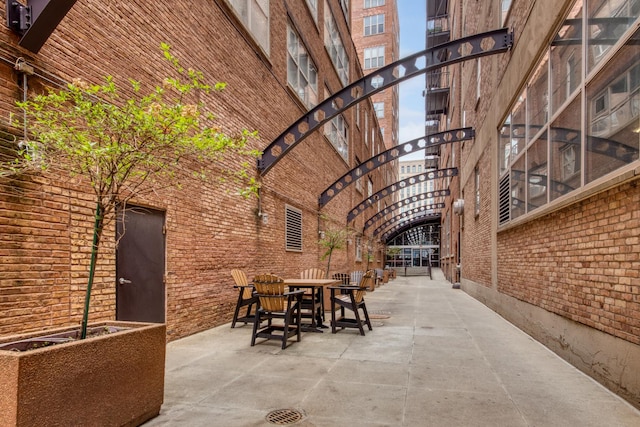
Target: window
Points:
(402, 169)
(313, 8)
(335, 47)
(373, 3)
(374, 24)
(301, 71)
(254, 14)
(293, 229)
(369, 188)
(378, 107)
(505, 6)
(358, 248)
(603, 37)
(477, 190)
(344, 4)
(359, 185)
(478, 79)
(566, 59)
(571, 126)
(373, 57)
(366, 128)
(337, 131)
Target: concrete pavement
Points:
(435, 357)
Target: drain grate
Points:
(283, 417)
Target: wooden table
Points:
(317, 288)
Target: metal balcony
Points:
(437, 93)
(438, 31)
(437, 8)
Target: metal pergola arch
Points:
(450, 136)
(411, 213)
(400, 228)
(474, 46)
(387, 191)
(407, 202)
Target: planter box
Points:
(115, 379)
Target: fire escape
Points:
(436, 92)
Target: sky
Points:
(412, 16)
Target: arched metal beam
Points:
(412, 222)
(427, 176)
(412, 146)
(455, 51)
(418, 234)
(402, 203)
(427, 209)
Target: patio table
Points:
(317, 288)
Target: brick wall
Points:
(45, 220)
(581, 262)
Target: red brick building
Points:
(278, 60)
(376, 33)
(549, 235)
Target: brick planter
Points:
(115, 379)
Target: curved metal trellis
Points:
(407, 202)
(427, 176)
(475, 46)
(412, 146)
(406, 225)
(411, 212)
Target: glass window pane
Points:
(608, 21)
(518, 188)
(538, 98)
(613, 106)
(566, 58)
(537, 173)
(566, 148)
(504, 154)
(518, 126)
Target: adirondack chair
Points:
(279, 305)
(353, 301)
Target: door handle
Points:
(124, 281)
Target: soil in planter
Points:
(63, 337)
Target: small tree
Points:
(372, 247)
(124, 145)
(332, 239)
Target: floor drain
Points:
(284, 416)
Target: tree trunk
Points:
(97, 232)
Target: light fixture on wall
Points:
(458, 207)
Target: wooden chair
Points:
(312, 301)
(246, 298)
(344, 278)
(353, 301)
(356, 277)
(276, 303)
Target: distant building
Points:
(376, 34)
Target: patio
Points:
(435, 357)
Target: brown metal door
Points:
(140, 258)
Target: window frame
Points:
(308, 99)
(372, 26)
(262, 40)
